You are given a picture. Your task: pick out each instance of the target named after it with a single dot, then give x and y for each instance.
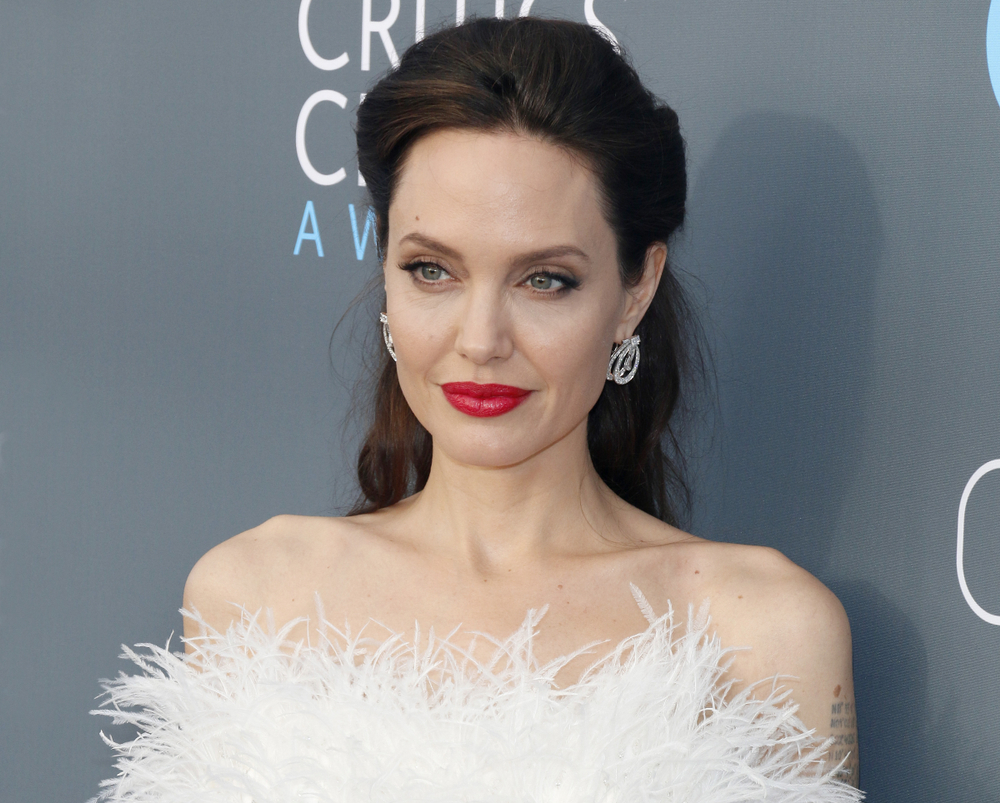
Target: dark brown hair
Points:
(564, 83)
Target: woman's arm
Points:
(817, 649)
(797, 629)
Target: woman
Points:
(514, 485)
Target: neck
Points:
(497, 519)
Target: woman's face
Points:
(500, 269)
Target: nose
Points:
(484, 327)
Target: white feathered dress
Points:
(251, 718)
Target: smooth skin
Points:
(500, 267)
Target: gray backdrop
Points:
(166, 377)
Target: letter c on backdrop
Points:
(324, 179)
(982, 613)
(307, 46)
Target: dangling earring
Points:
(624, 361)
(387, 335)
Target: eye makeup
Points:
(423, 269)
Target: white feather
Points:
(250, 717)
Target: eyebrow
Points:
(521, 260)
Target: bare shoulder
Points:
(252, 570)
(761, 599)
(789, 616)
(758, 598)
(750, 588)
(795, 628)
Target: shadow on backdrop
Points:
(787, 241)
(905, 756)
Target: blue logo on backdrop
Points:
(993, 46)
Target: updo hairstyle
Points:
(564, 83)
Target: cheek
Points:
(572, 360)
(416, 331)
(420, 346)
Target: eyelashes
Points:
(542, 282)
(422, 270)
(429, 273)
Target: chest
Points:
(575, 613)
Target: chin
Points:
(493, 451)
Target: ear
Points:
(639, 297)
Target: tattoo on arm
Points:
(844, 729)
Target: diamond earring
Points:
(624, 361)
(387, 335)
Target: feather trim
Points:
(251, 717)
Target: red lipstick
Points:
(483, 401)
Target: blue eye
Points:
(430, 273)
(546, 281)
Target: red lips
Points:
(483, 401)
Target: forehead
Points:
(498, 188)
